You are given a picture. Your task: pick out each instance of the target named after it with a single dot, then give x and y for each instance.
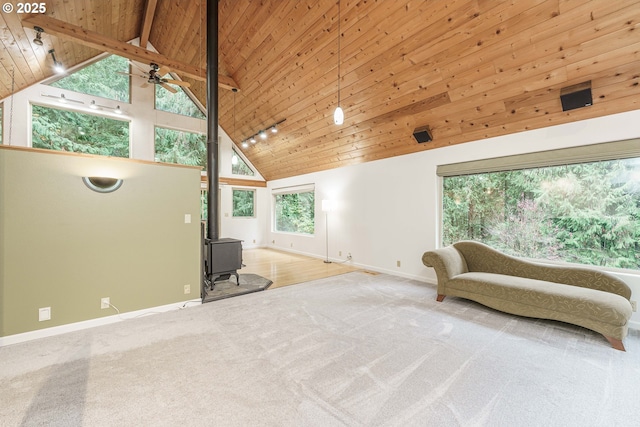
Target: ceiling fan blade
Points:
(145, 84)
(169, 88)
(162, 71)
(177, 82)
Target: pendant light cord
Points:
(339, 53)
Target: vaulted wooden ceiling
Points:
(468, 69)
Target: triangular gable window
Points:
(177, 103)
(101, 79)
(239, 166)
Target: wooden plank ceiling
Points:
(468, 69)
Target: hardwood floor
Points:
(286, 269)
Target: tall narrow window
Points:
(184, 148)
(239, 166)
(63, 130)
(101, 79)
(294, 210)
(243, 203)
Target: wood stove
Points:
(223, 259)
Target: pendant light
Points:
(338, 115)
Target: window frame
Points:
(253, 209)
(79, 111)
(155, 135)
(306, 188)
(580, 155)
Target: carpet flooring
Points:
(349, 350)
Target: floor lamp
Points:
(327, 206)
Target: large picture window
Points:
(295, 210)
(586, 213)
(71, 131)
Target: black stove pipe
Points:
(213, 232)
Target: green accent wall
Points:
(65, 246)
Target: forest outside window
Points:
(585, 213)
(183, 148)
(75, 132)
(239, 166)
(294, 210)
(244, 203)
(91, 79)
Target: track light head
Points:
(38, 40)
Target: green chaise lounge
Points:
(585, 297)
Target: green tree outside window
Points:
(184, 148)
(584, 213)
(294, 213)
(239, 166)
(63, 130)
(100, 79)
(244, 203)
(177, 103)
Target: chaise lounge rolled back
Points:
(585, 297)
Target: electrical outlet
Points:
(349, 255)
(339, 253)
(634, 305)
(187, 289)
(398, 263)
(105, 302)
(44, 313)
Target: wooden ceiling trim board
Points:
(98, 41)
(147, 22)
(26, 61)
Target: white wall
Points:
(388, 210)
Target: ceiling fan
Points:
(154, 76)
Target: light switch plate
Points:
(187, 218)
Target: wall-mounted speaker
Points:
(422, 134)
(576, 96)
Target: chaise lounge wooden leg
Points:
(615, 343)
(440, 297)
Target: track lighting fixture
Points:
(262, 133)
(38, 40)
(57, 66)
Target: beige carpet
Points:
(350, 350)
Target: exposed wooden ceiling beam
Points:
(106, 44)
(147, 22)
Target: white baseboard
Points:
(91, 323)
